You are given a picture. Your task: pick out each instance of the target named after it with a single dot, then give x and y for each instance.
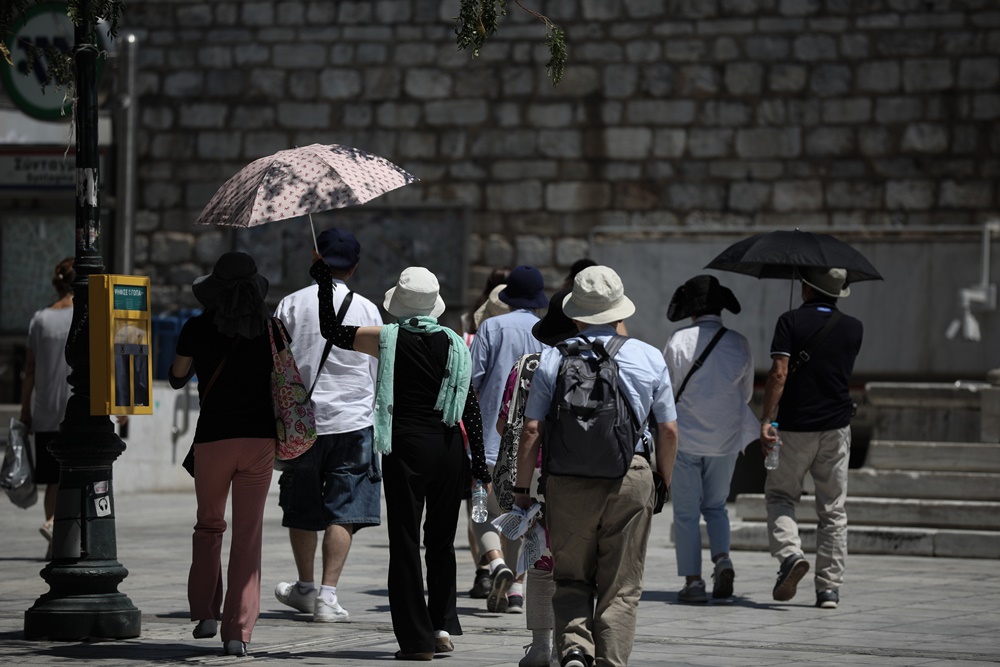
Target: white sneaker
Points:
(289, 593)
(329, 612)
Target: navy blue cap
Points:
(525, 288)
(339, 248)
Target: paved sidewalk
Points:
(895, 611)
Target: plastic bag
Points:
(16, 476)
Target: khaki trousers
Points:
(825, 455)
(598, 530)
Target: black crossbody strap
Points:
(699, 361)
(805, 354)
(339, 316)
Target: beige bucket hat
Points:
(598, 297)
(416, 293)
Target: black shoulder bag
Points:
(805, 354)
(699, 361)
(339, 316)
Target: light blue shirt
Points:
(499, 342)
(641, 369)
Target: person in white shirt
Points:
(335, 487)
(715, 425)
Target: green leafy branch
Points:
(479, 19)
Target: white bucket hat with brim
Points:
(416, 294)
(492, 307)
(598, 297)
(831, 282)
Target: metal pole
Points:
(125, 131)
(83, 599)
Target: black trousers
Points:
(423, 469)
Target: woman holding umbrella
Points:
(229, 347)
(422, 391)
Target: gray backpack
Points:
(590, 430)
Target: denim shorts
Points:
(338, 481)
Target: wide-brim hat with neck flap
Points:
(831, 282)
(417, 293)
(598, 297)
(555, 327)
(700, 295)
(231, 269)
(525, 289)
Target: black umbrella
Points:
(780, 254)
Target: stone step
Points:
(876, 483)
(937, 456)
(949, 543)
(864, 511)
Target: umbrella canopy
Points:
(301, 181)
(780, 254)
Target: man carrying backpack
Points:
(587, 408)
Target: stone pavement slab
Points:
(894, 611)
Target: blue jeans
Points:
(700, 486)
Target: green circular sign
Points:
(43, 25)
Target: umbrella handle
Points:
(313, 228)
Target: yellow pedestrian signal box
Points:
(121, 374)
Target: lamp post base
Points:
(89, 604)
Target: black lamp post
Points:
(83, 576)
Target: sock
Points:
(305, 586)
(438, 634)
(328, 593)
(516, 588)
(495, 563)
(542, 638)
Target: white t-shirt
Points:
(345, 393)
(47, 334)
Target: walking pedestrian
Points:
(808, 393)
(44, 389)
(711, 371)
(335, 488)
(422, 391)
(229, 347)
(598, 526)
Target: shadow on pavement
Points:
(670, 597)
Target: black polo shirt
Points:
(816, 395)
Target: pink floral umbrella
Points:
(301, 181)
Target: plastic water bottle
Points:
(479, 513)
(771, 460)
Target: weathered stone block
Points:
(925, 138)
(643, 51)
(627, 143)
(417, 145)
(669, 143)
(395, 115)
(251, 54)
(657, 80)
(909, 195)
(300, 115)
(355, 12)
(898, 109)
(660, 112)
(568, 250)
(768, 142)
(685, 50)
(787, 78)
(202, 115)
(564, 144)
(577, 196)
(691, 196)
(519, 196)
(258, 13)
(356, 115)
(339, 84)
(710, 143)
(854, 46)
(761, 47)
(830, 80)
(183, 84)
(220, 145)
(264, 143)
(749, 196)
(382, 83)
(825, 141)
(849, 110)
(195, 16)
(215, 56)
(161, 195)
(880, 76)
(976, 194)
(172, 146)
(986, 106)
(620, 80)
(798, 7)
(533, 250)
(157, 118)
(853, 194)
(810, 48)
(498, 251)
(427, 84)
(415, 54)
(927, 75)
(798, 196)
(299, 56)
(457, 112)
(979, 73)
(905, 43)
(550, 115)
(171, 247)
(697, 80)
(744, 78)
(771, 111)
(267, 83)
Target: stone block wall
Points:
(691, 113)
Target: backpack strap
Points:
(699, 361)
(805, 354)
(611, 348)
(339, 316)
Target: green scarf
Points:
(454, 386)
